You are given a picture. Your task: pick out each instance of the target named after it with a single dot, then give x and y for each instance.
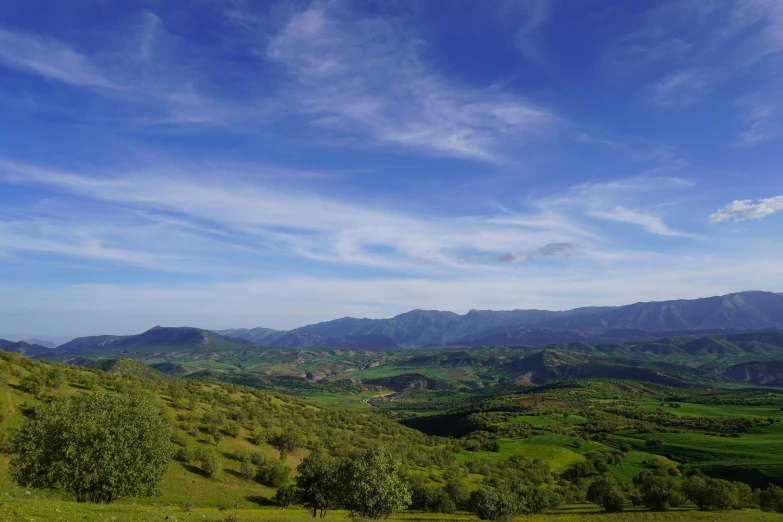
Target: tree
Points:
(457, 492)
(274, 474)
(97, 448)
(286, 495)
(613, 501)
(578, 470)
(605, 492)
(537, 500)
(710, 493)
(317, 483)
(658, 489)
(372, 487)
(496, 504)
(771, 499)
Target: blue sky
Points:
(238, 164)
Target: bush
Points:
(97, 448)
(188, 506)
(212, 465)
(247, 470)
(274, 474)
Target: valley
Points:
(569, 414)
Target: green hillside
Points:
(448, 431)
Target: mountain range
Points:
(732, 313)
(641, 322)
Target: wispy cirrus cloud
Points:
(746, 209)
(51, 59)
(652, 223)
(365, 77)
(527, 20)
(679, 89)
(610, 201)
(130, 74)
(304, 225)
(698, 47)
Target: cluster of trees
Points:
(663, 421)
(663, 488)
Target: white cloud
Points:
(744, 210)
(365, 77)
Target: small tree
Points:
(658, 490)
(710, 493)
(372, 487)
(274, 474)
(317, 483)
(605, 492)
(496, 504)
(286, 496)
(97, 448)
(771, 499)
(457, 492)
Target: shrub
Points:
(212, 465)
(274, 474)
(247, 470)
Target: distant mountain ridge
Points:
(25, 348)
(732, 313)
(157, 339)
